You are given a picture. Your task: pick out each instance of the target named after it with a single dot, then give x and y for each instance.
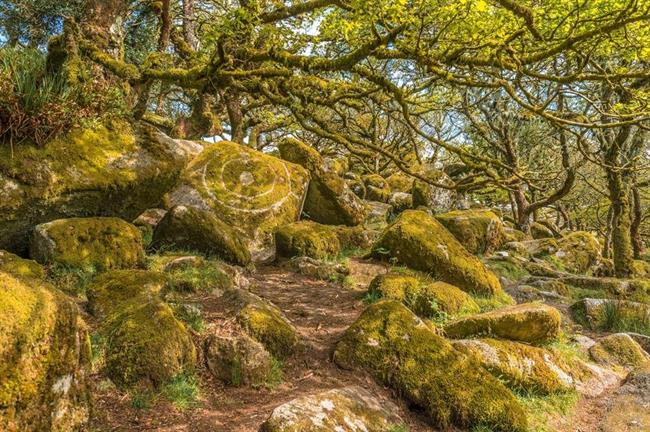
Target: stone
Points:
(531, 322)
(378, 213)
(115, 170)
(348, 409)
(377, 188)
(436, 199)
(237, 360)
(44, 358)
(263, 321)
(419, 241)
(324, 270)
(479, 231)
(619, 351)
(20, 267)
(314, 240)
(102, 243)
(252, 192)
(398, 349)
(578, 252)
(399, 202)
(540, 231)
(194, 229)
(329, 200)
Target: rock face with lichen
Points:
(420, 242)
(329, 200)
(620, 351)
(188, 228)
(311, 239)
(480, 231)
(433, 198)
(102, 243)
(252, 192)
(425, 297)
(144, 343)
(105, 171)
(44, 359)
(531, 322)
(397, 348)
(237, 360)
(346, 409)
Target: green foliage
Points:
(615, 319)
(182, 390)
(540, 409)
(71, 280)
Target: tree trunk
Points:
(637, 243)
(619, 194)
(189, 31)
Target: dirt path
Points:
(321, 311)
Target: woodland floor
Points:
(321, 311)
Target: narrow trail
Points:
(321, 311)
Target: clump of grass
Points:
(497, 301)
(276, 375)
(71, 280)
(142, 398)
(372, 297)
(542, 408)
(399, 428)
(98, 348)
(190, 315)
(614, 318)
(183, 390)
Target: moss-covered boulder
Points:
(607, 313)
(102, 243)
(514, 235)
(111, 291)
(399, 202)
(194, 229)
(195, 274)
(480, 231)
(355, 184)
(238, 360)
(531, 322)
(329, 200)
(540, 231)
(252, 192)
(17, 266)
(145, 344)
(395, 346)
(400, 182)
(425, 297)
(311, 239)
(536, 370)
(578, 251)
(377, 188)
(346, 409)
(620, 351)
(433, 198)
(264, 322)
(103, 171)
(420, 242)
(44, 359)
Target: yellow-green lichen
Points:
(17, 266)
(307, 238)
(479, 231)
(578, 251)
(399, 350)
(620, 351)
(101, 243)
(530, 322)
(419, 241)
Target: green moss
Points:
(300, 153)
(400, 182)
(145, 344)
(377, 188)
(578, 251)
(523, 367)
(479, 231)
(399, 350)
(102, 243)
(43, 346)
(182, 390)
(422, 243)
(619, 350)
(113, 290)
(188, 228)
(531, 322)
(17, 266)
(71, 280)
(307, 238)
(264, 322)
(541, 410)
(510, 268)
(540, 231)
(427, 298)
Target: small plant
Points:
(275, 376)
(399, 428)
(142, 399)
(182, 390)
(612, 317)
(71, 280)
(191, 315)
(372, 297)
(98, 348)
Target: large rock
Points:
(578, 251)
(102, 243)
(329, 200)
(395, 346)
(419, 241)
(17, 266)
(237, 360)
(250, 191)
(480, 231)
(263, 321)
(537, 370)
(350, 409)
(540, 231)
(194, 229)
(377, 188)
(531, 322)
(427, 298)
(90, 172)
(311, 239)
(620, 351)
(44, 359)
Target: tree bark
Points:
(637, 243)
